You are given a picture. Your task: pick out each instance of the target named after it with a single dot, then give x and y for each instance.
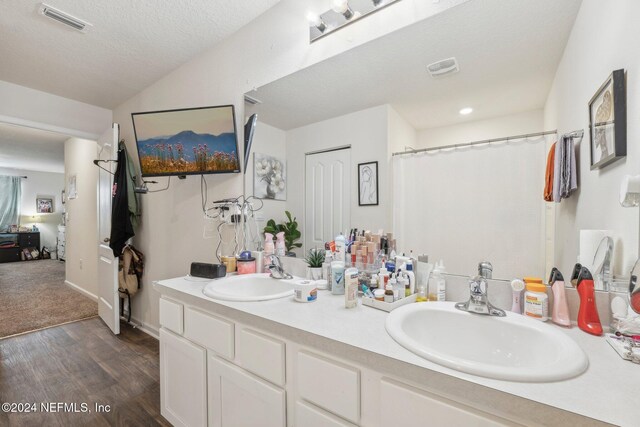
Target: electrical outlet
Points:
(80, 264)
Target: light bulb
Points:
(340, 6)
(314, 19)
(465, 111)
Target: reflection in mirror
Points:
(437, 194)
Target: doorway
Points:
(327, 196)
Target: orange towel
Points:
(548, 176)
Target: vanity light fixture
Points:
(342, 7)
(316, 21)
(466, 111)
(342, 14)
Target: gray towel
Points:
(565, 174)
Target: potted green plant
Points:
(315, 259)
(291, 232)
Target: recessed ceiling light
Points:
(465, 111)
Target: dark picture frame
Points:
(368, 184)
(608, 121)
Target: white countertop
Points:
(607, 391)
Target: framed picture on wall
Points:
(608, 121)
(44, 205)
(368, 184)
(269, 177)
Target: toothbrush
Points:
(517, 286)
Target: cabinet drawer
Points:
(425, 406)
(308, 416)
(171, 315)
(212, 332)
(329, 384)
(262, 355)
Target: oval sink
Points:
(249, 287)
(511, 348)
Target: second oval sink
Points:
(511, 348)
(249, 287)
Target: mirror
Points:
(368, 139)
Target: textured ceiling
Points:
(132, 43)
(31, 149)
(508, 52)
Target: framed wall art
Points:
(368, 184)
(608, 121)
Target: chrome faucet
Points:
(478, 301)
(277, 272)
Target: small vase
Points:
(315, 273)
(270, 193)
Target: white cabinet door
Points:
(239, 399)
(423, 408)
(183, 381)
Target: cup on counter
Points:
(246, 265)
(229, 262)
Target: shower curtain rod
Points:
(410, 150)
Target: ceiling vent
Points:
(64, 18)
(444, 67)
(251, 100)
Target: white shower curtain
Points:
(474, 204)
(10, 199)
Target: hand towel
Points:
(549, 174)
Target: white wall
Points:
(22, 105)
(39, 184)
(267, 140)
(605, 37)
(477, 130)
(366, 132)
(82, 229)
(270, 47)
(401, 133)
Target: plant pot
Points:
(315, 273)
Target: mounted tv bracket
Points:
(143, 189)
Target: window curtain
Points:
(473, 204)
(10, 196)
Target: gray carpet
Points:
(33, 296)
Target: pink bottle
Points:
(560, 311)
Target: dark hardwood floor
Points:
(82, 362)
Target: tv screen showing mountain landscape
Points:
(183, 142)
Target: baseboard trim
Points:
(147, 329)
(82, 291)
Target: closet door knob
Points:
(106, 240)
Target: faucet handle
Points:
(478, 286)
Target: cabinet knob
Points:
(106, 240)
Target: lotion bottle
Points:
(560, 310)
(351, 288)
(588, 318)
(281, 248)
(412, 279)
(341, 248)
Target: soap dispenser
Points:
(560, 311)
(588, 319)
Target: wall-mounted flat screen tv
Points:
(190, 141)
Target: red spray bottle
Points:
(588, 319)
